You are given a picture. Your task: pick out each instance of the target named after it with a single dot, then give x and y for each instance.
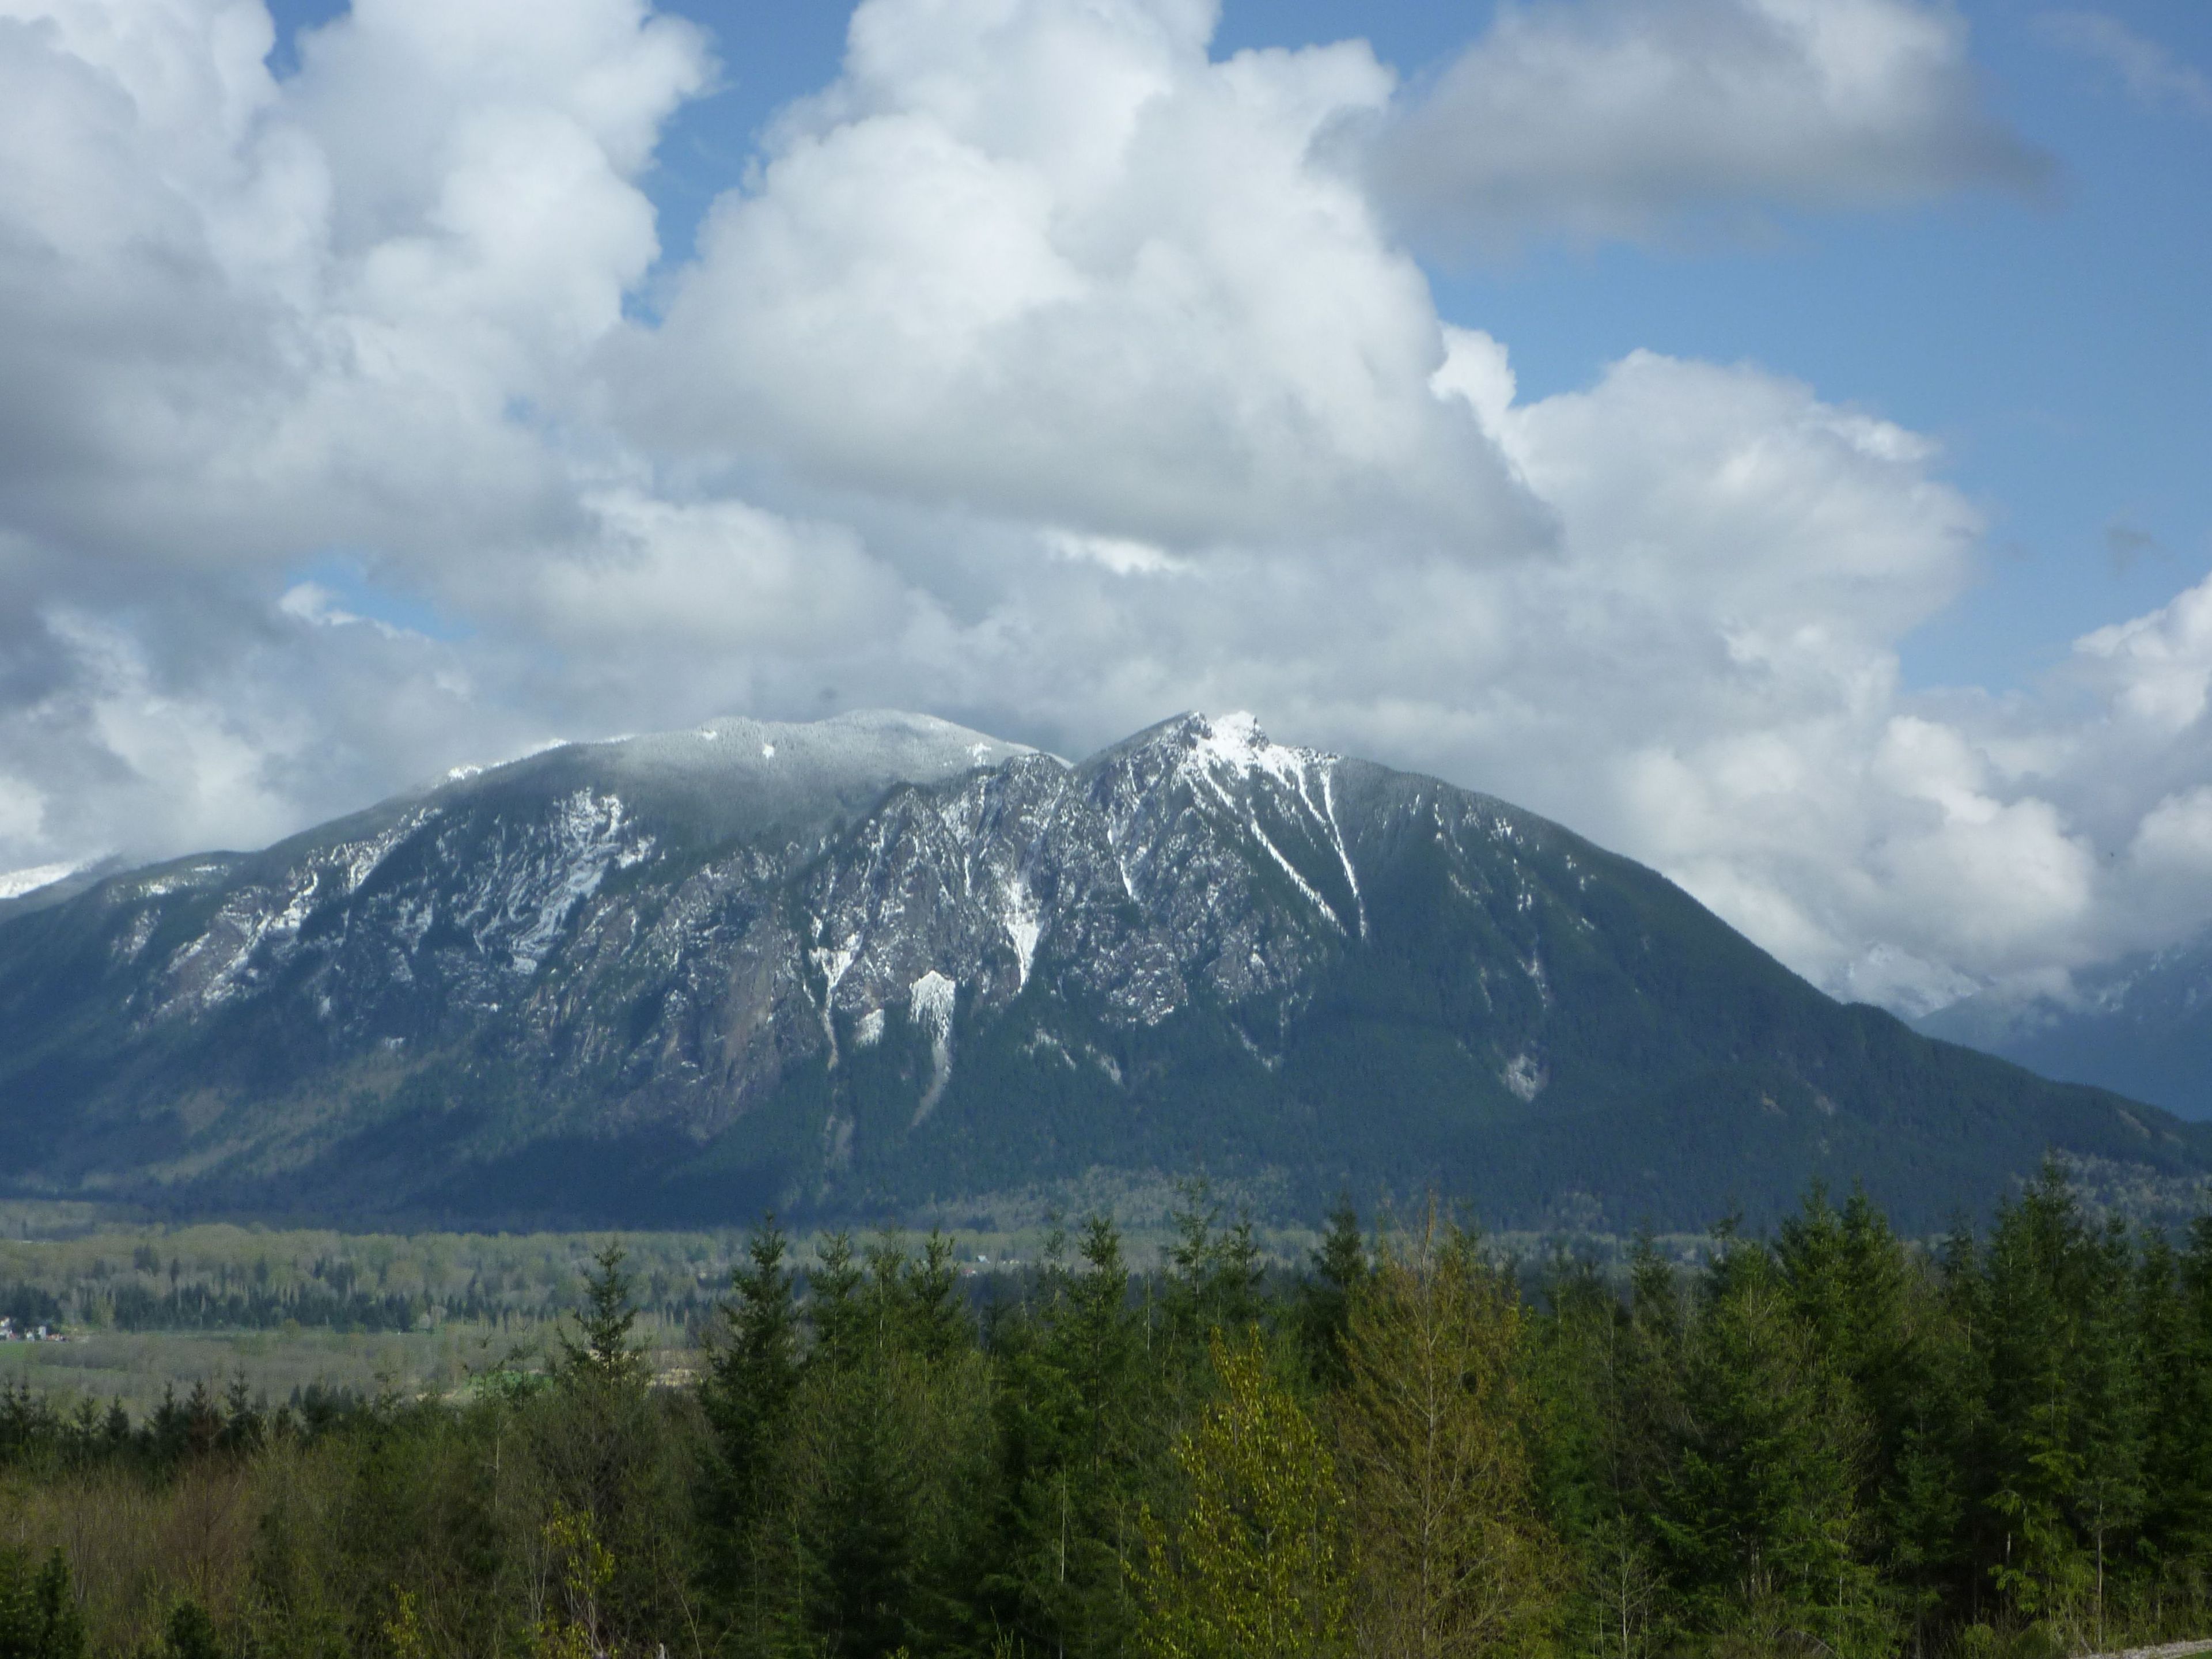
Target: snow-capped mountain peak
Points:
(881, 959)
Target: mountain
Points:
(2142, 1025)
(883, 964)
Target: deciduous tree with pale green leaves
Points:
(1256, 1563)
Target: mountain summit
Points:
(881, 963)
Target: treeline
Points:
(332, 1295)
(1827, 1442)
(130, 1306)
(36, 1435)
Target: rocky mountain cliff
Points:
(884, 964)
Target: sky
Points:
(1766, 435)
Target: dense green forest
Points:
(1829, 1441)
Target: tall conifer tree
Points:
(750, 1380)
(1455, 1562)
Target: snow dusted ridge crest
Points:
(1234, 743)
(686, 917)
(935, 875)
(14, 883)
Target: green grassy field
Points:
(136, 1367)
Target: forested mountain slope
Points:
(880, 963)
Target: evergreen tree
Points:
(886, 1294)
(834, 1310)
(857, 1550)
(750, 1380)
(2029, 1335)
(1335, 1271)
(243, 1418)
(1213, 1281)
(1073, 1439)
(752, 1376)
(1654, 1369)
(190, 1633)
(1584, 1465)
(1454, 1560)
(605, 1457)
(38, 1617)
(1608, 1410)
(601, 1354)
(936, 1320)
(1757, 1519)
(890, 1426)
(203, 1419)
(2176, 1302)
(2108, 1495)
(1874, 1319)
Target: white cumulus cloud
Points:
(1049, 373)
(1052, 261)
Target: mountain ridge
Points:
(881, 962)
(2141, 1025)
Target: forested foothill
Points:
(1827, 1441)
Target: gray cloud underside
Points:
(1626, 118)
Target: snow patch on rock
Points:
(1024, 927)
(1524, 1077)
(832, 965)
(1336, 838)
(587, 836)
(1534, 967)
(259, 927)
(1312, 894)
(930, 1002)
(132, 945)
(1044, 1042)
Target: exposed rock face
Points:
(881, 960)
